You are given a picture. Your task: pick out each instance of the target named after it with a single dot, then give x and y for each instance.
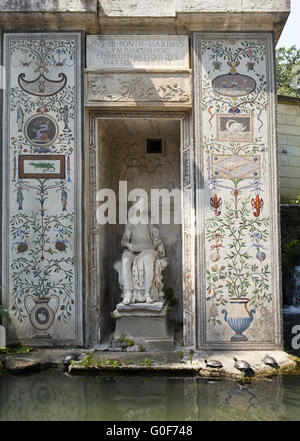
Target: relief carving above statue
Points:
(146, 88)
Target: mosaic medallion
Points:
(41, 130)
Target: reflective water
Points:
(53, 395)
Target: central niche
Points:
(146, 154)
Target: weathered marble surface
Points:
(49, 5)
(231, 6)
(2, 338)
(147, 327)
(144, 16)
(156, 307)
(140, 8)
(158, 8)
(138, 88)
(137, 51)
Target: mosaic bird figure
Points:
(64, 200)
(20, 198)
(20, 118)
(66, 117)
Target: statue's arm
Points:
(159, 246)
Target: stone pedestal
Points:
(146, 324)
(2, 338)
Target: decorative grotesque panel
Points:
(42, 181)
(235, 127)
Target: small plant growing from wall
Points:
(4, 314)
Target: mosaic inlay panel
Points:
(42, 187)
(238, 287)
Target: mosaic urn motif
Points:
(41, 314)
(238, 318)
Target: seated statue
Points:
(143, 260)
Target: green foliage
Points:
(122, 338)
(142, 348)
(4, 313)
(286, 60)
(180, 353)
(289, 255)
(89, 361)
(145, 362)
(191, 355)
(181, 343)
(287, 201)
(129, 341)
(16, 350)
(113, 316)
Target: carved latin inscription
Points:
(137, 51)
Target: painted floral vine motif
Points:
(240, 278)
(235, 54)
(254, 51)
(39, 272)
(43, 106)
(211, 146)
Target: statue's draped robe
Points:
(140, 264)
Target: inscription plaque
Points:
(137, 52)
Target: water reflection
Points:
(56, 396)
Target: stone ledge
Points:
(156, 309)
(144, 8)
(233, 6)
(145, 16)
(126, 364)
(160, 363)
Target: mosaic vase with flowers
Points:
(238, 317)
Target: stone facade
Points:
(289, 148)
(68, 132)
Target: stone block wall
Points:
(289, 148)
